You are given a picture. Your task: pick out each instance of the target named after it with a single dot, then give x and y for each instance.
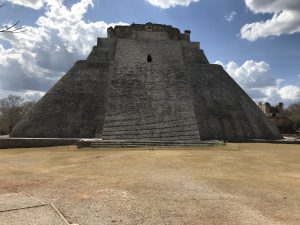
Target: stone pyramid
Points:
(146, 82)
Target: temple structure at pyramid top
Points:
(147, 82)
(157, 31)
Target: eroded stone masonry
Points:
(146, 82)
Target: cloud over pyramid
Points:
(146, 82)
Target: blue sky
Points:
(256, 41)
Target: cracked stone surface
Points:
(41, 215)
(12, 201)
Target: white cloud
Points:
(251, 74)
(42, 54)
(290, 92)
(272, 6)
(285, 19)
(260, 84)
(26, 95)
(35, 4)
(33, 95)
(165, 4)
(230, 17)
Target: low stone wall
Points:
(281, 141)
(9, 143)
(6, 143)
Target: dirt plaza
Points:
(233, 184)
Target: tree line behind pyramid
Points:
(147, 82)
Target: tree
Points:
(293, 113)
(12, 109)
(11, 28)
(3, 129)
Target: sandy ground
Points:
(235, 184)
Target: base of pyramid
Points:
(141, 143)
(98, 143)
(9, 143)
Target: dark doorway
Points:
(149, 58)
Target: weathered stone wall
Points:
(146, 35)
(149, 100)
(150, 28)
(192, 53)
(8, 143)
(223, 110)
(75, 106)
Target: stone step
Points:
(155, 137)
(135, 143)
(138, 129)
